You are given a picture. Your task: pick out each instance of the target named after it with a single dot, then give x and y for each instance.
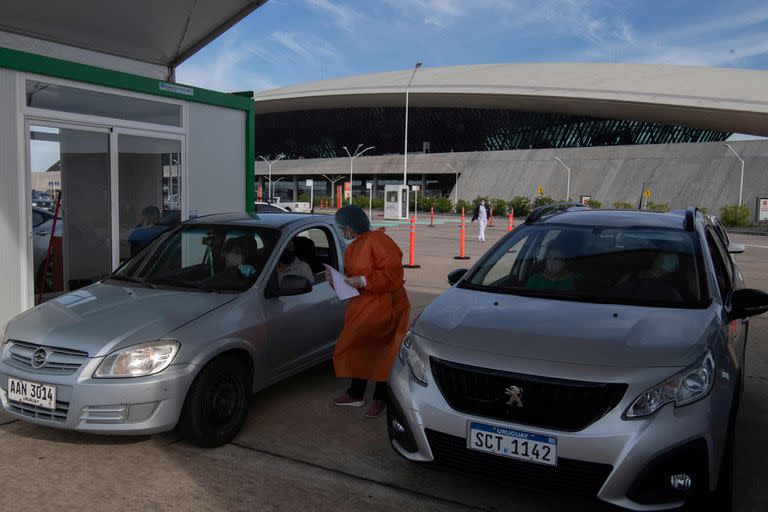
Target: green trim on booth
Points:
(49, 66)
(250, 158)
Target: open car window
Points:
(211, 258)
(640, 266)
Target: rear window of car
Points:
(641, 266)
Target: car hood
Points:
(103, 317)
(566, 331)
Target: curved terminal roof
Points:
(726, 99)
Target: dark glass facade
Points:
(323, 133)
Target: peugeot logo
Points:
(39, 358)
(515, 395)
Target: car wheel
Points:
(217, 403)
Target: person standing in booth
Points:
(377, 320)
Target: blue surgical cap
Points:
(354, 218)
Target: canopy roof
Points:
(164, 32)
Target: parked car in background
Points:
(598, 352)
(293, 206)
(180, 334)
(40, 200)
(262, 207)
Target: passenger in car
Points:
(377, 320)
(556, 276)
(659, 281)
(291, 265)
(235, 252)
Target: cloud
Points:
(226, 69)
(312, 49)
(343, 16)
(289, 42)
(438, 13)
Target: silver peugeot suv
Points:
(600, 352)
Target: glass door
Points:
(149, 189)
(71, 207)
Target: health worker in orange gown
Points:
(377, 320)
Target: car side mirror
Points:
(294, 285)
(748, 302)
(455, 275)
(734, 248)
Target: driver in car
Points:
(556, 276)
(291, 265)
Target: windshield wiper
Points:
(129, 279)
(187, 284)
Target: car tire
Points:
(217, 403)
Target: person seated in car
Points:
(556, 276)
(291, 265)
(235, 255)
(654, 282)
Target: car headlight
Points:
(688, 386)
(138, 360)
(412, 355)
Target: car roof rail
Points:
(690, 218)
(553, 208)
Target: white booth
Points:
(116, 136)
(396, 202)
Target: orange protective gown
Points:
(376, 321)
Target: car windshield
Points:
(640, 266)
(215, 258)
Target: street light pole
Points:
(568, 188)
(741, 183)
(333, 186)
(456, 187)
(270, 164)
(351, 163)
(405, 151)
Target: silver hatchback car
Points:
(600, 352)
(181, 333)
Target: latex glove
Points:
(246, 270)
(355, 282)
(329, 278)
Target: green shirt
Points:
(540, 281)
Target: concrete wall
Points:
(705, 175)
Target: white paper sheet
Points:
(343, 290)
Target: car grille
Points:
(566, 405)
(32, 411)
(60, 361)
(573, 476)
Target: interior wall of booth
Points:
(216, 159)
(12, 202)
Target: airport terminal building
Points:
(499, 127)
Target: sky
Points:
(294, 41)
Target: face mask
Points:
(669, 263)
(287, 257)
(233, 260)
(555, 265)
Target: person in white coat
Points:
(481, 216)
